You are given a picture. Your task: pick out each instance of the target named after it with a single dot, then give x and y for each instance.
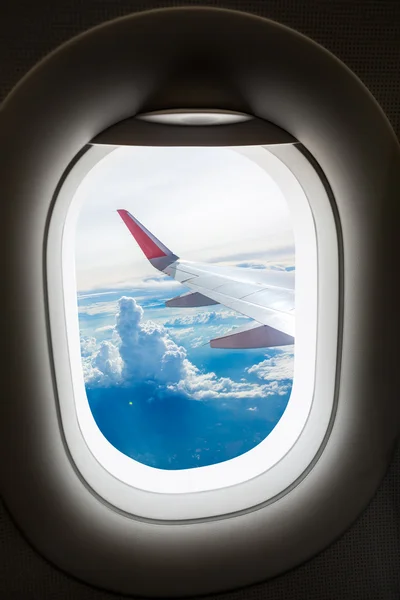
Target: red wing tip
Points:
(151, 247)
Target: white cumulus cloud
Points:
(103, 366)
(88, 346)
(202, 386)
(144, 353)
(147, 352)
(274, 368)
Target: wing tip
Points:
(151, 247)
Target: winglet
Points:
(152, 247)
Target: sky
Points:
(157, 391)
(205, 204)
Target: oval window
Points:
(182, 271)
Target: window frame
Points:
(238, 484)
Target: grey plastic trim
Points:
(154, 61)
(135, 131)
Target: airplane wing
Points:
(264, 295)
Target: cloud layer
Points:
(203, 318)
(144, 354)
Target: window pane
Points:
(210, 225)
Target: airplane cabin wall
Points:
(364, 563)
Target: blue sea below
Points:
(178, 433)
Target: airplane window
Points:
(185, 274)
(181, 270)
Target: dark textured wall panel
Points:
(364, 34)
(365, 563)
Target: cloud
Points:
(282, 266)
(157, 283)
(201, 386)
(82, 296)
(153, 283)
(105, 328)
(274, 368)
(198, 341)
(251, 265)
(88, 346)
(98, 308)
(214, 332)
(145, 354)
(101, 365)
(108, 361)
(203, 318)
(185, 332)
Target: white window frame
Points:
(286, 453)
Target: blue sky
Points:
(158, 392)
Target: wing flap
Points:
(252, 336)
(190, 300)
